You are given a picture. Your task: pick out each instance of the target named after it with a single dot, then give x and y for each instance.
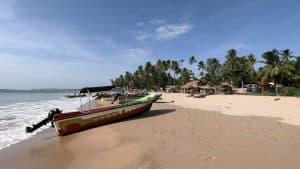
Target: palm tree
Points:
(140, 71)
(275, 69)
(174, 68)
(286, 54)
(180, 62)
(297, 71)
(286, 58)
(250, 61)
(159, 65)
(129, 79)
(168, 64)
(148, 74)
(231, 64)
(185, 75)
(201, 67)
(213, 67)
(192, 61)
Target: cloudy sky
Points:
(73, 44)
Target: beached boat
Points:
(200, 95)
(74, 94)
(95, 114)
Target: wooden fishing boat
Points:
(66, 123)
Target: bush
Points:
(292, 91)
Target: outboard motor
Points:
(45, 121)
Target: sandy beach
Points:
(286, 109)
(234, 132)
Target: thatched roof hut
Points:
(207, 90)
(190, 85)
(225, 88)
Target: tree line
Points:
(277, 66)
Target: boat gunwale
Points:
(98, 110)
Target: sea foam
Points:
(15, 117)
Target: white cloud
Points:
(160, 30)
(169, 31)
(143, 36)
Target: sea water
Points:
(21, 109)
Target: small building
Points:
(224, 88)
(191, 87)
(171, 89)
(252, 88)
(194, 87)
(207, 90)
(264, 86)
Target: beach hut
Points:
(224, 88)
(191, 87)
(171, 89)
(251, 87)
(207, 90)
(263, 86)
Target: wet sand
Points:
(168, 136)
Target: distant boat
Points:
(96, 113)
(74, 94)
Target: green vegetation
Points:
(277, 66)
(292, 91)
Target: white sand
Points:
(287, 109)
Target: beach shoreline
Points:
(169, 136)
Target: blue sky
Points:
(73, 44)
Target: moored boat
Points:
(74, 94)
(95, 115)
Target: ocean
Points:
(21, 109)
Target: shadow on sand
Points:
(147, 114)
(172, 101)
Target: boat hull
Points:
(81, 121)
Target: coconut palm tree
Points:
(250, 61)
(185, 76)
(192, 61)
(286, 54)
(128, 79)
(201, 67)
(231, 65)
(213, 67)
(175, 68)
(297, 71)
(275, 69)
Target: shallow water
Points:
(18, 110)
